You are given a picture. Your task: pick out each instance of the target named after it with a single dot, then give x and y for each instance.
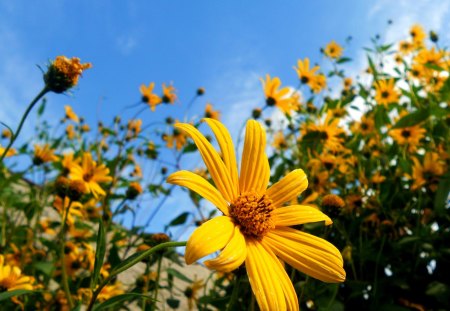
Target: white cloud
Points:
(126, 44)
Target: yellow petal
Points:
(255, 170)
(288, 188)
(213, 162)
(227, 149)
(270, 283)
(309, 254)
(200, 186)
(232, 256)
(210, 237)
(299, 214)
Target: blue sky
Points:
(223, 46)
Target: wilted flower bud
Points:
(63, 73)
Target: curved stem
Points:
(22, 121)
(128, 263)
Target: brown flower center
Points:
(406, 133)
(385, 94)
(253, 213)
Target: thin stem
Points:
(65, 281)
(22, 121)
(234, 294)
(158, 272)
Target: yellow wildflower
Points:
(333, 50)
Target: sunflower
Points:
(418, 35)
(70, 114)
(91, 173)
(410, 136)
(43, 154)
(318, 83)
(386, 92)
(149, 97)
(328, 131)
(333, 50)
(405, 47)
(305, 74)
(276, 96)
(255, 226)
(70, 132)
(11, 278)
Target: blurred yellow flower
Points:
(169, 95)
(305, 75)
(43, 154)
(149, 97)
(10, 152)
(91, 173)
(409, 136)
(276, 96)
(255, 226)
(386, 92)
(428, 172)
(211, 113)
(11, 277)
(70, 114)
(333, 50)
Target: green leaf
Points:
(373, 68)
(42, 107)
(179, 275)
(179, 220)
(13, 293)
(442, 194)
(118, 300)
(99, 254)
(434, 67)
(45, 267)
(413, 118)
(343, 60)
(190, 147)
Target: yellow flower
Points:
(255, 226)
(428, 172)
(134, 128)
(318, 83)
(63, 73)
(279, 141)
(6, 133)
(10, 152)
(386, 92)
(328, 131)
(91, 173)
(70, 132)
(191, 293)
(43, 154)
(418, 35)
(70, 114)
(211, 113)
(11, 278)
(177, 139)
(149, 97)
(366, 126)
(405, 47)
(333, 50)
(169, 95)
(410, 136)
(110, 291)
(275, 96)
(305, 74)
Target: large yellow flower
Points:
(11, 278)
(91, 173)
(255, 226)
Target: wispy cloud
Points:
(126, 43)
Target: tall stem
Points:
(22, 121)
(65, 281)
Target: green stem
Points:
(65, 281)
(234, 294)
(158, 273)
(128, 263)
(22, 121)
